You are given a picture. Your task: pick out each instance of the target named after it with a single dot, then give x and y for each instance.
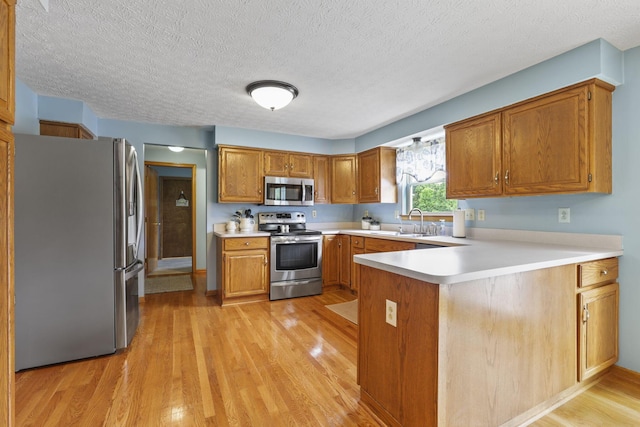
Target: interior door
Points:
(177, 227)
(152, 219)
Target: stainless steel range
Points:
(296, 255)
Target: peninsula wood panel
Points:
(507, 344)
(397, 366)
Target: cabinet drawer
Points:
(357, 242)
(238, 243)
(596, 272)
(382, 245)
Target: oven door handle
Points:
(298, 240)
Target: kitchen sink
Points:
(401, 234)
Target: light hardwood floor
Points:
(290, 362)
(192, 363)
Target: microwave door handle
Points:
(304, 188)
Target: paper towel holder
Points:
(458, 229)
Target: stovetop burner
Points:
(285, 224)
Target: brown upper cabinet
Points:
(7, 70)
(66, 130)
(556, 143)
(377, 176)
(240, 177)
(322, 179)
(284, 163)
(344, 173)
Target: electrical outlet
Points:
(480, 214)
(314, 213)
(470, 214)
(366, 213)
(391, 313)
(564, 215)
(396, 214)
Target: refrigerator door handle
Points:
(139, 203)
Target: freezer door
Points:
(127, 312)
(128, 204)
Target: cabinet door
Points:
(369, 176)
(355, 268)
(598, 319)
(322, 179)
(7, 52)
(373, 245)
(377, 176)
(343, 179)
(246, 273)
(65, 130)
(300, 165)
(474, 166)
(331, 260)
(276, 163)
(345, 260)
(240, 176)
(545, 144)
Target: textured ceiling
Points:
(358, 64)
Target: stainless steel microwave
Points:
(282, 191)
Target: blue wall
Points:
(595, 214)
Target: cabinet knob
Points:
(353, 192)
(506, 177)
(246, 243)
(496, 179)
(376, 191)
(604, 272)
(286, 166)
(291, 166)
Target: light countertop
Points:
(480, 259)
(486, 254)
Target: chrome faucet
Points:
(421, 218)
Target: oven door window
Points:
(296, 256)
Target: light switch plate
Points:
(470, 214)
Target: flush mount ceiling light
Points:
(272, 94)
(176, 149)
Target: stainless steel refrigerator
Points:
(78, 220)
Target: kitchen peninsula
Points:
(486, 334)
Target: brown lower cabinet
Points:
(598, 301)
(336, 261)
(243, 269)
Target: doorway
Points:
(170, 191)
